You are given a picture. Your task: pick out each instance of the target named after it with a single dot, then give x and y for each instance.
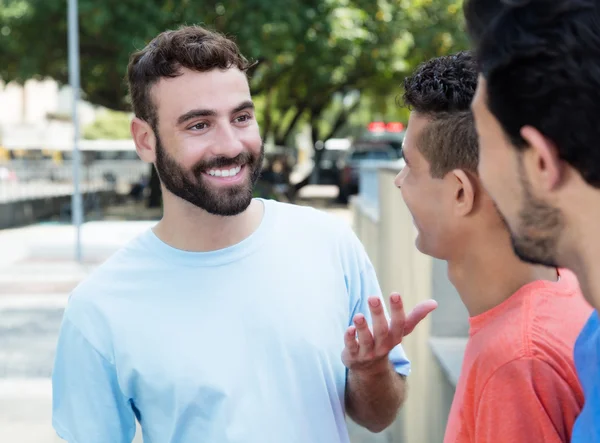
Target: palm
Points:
(364, 348)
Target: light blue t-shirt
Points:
(240, 345)
(587, 362)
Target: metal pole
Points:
(76, 201)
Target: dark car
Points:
(394, 139)
(357, 155)
(328, 167)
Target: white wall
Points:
(24, 110)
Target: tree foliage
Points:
(323, 62)
(108, 125)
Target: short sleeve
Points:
(362, 283)
(87, 403)
(525, 400)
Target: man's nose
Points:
(227, 142)
(399, 179)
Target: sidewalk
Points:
(37, 272)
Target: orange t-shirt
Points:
(518, 382)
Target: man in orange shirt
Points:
(518, 381)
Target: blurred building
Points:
(38, 114)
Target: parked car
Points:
(327, 168)
(360, 153)
(393, 138)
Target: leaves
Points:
(315, 55)
(109, 125)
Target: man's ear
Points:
(541, 162)
(145, 140)
(464, 192)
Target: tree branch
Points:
(280, 140)
(341, 119)
(268, 120)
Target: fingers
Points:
(362, 347)
(397, 323)
(350, 340)
(420, 311)
(365, 338)
(380, 322)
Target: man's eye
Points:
(199, 126)
(243, 118)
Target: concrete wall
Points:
(386, 230)
(23, 212)
(451, 317)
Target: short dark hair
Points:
(191, 47)
(541, 62)
(442, 89)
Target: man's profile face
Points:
(426, 198)
(534, 225)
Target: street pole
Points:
(76, 201)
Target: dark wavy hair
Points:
(541, 62)
(191, 47)
(442, 89)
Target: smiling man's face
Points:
(208, 147)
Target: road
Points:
(36, 275)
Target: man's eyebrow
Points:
(242, 106)
(195, 113)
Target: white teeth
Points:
(225, 172)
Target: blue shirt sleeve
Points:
(87, 402)
(362, 283)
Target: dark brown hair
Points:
(450, 142)
(442, 89)
(541, 63)
(191, 47)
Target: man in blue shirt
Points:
(536, 110)
(234, 319)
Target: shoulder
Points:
(494, 346)
(556, 314)
(324, 233)
(91, 302)
(309, 223)
(534, 333)
(535, 324)
(308, 217)
(121, 265)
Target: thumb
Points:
(420, 311)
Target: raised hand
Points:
(365, 349)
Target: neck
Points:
(579, 245)
(487, 272)
(585, 268)
(187, 227)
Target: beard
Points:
(539, 227)
(193, 187)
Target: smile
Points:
(224, 172)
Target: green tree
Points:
(332, 64)
(109, 125)
(310, 53)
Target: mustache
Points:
(222, 162)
